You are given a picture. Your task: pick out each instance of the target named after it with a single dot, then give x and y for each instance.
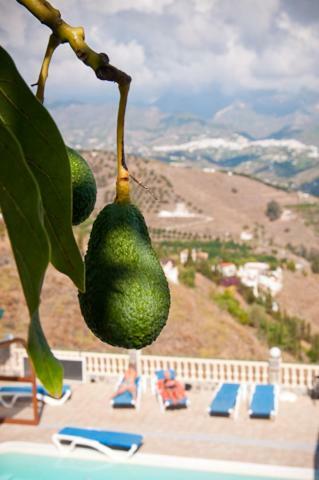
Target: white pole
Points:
(134, 358)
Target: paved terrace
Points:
(291, 439)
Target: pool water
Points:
(14, 466)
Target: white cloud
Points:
(111, 7)
(173, 44)
(12, 15)
(115, 6)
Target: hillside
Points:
(299, 296)
(219, 205)
(213, 205)
(196, 326)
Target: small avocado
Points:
(83, 187)
(127, 299)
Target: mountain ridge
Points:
(289, 157)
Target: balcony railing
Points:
(98, 366)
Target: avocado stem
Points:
(53, 43)
(122, 182)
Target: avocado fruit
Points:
(127, 299)
(83, 187)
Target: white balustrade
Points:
(100, 365)
(295, 375)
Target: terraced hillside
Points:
(196, 326)
(210, 205)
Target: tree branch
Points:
(53, 43)
(99, 62)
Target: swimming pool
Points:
(36, 461)
(17, 466)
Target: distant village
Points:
(256, 275)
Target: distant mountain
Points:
(311, 187)
(287, 163)
(301, 124)
(240, 117)
(278, 149)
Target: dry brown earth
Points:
(226, 203)
(196, 325)
(300, 296)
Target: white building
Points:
(259, 277)
(201, 255)
(179, 212)
(170, 270)
(194, 254)
(287, 215)
(227, 269)
(246, 236)
(183, 256)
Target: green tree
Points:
(273, 210)
(258, 318)
(187, 276)
(315, 264)
(313, 353)
(228, 302)
(291, 266)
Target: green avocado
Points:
(127, 299)
(83, 187)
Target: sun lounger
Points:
(10, 394)
(106, 442)
(226, 400)
(164, 403)
(126, 399)
(264, 401)
(159, 375)
(182, 403)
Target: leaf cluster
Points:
(36, 204)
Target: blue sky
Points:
(196, 55)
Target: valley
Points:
(187, 204)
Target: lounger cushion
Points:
(160, 374)
(225, 399)
(14, 390)
(125, 398)
(108, 438)
(43, 391)
(263, 401)
(27, 389)
(181, 403)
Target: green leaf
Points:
(46, 156)
(22, 211)
(49, 370)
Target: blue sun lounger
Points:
(226, 400)
(167, 404)
(106, 442)
(126, 399)
(264, 402)
(10, 394)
